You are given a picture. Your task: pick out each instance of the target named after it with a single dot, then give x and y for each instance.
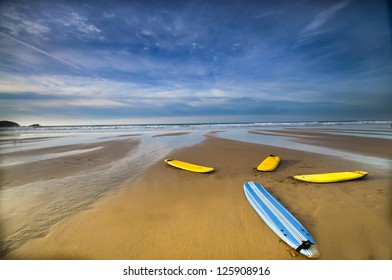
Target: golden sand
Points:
(62, 167)
(167, 213)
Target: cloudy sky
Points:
(117, 61)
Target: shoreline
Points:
(367, 146)
(165, 213)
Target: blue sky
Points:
(76, 62)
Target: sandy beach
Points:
(167, 213)
(92, 156)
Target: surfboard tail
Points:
(311, 252)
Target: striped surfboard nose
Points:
(280, 220)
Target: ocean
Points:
(27, 137)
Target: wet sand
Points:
(362, 145)
(36, 195)
(171, 134)
(167, 213)
(96, 156)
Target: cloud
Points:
(40, 51)
(321, 19)
(80, 102)
(80, 26)
(18, 23)
(71, 91)
(189, 57)
(47, 22)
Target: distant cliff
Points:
(8, 124)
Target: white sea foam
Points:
(188, 126)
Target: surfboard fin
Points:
(305, 245)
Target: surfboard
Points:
(269, 164)
(189, 166)
(280, 220)
(331, 177)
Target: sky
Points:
(102, 62)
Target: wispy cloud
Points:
(18, 20)
(315, 26)
(80, 26)
(18, 23)
(189, 57)
(40, 51)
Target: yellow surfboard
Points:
(331, 177)
(189, 166)
(269, 164)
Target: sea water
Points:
(24, 138)
(31, 138)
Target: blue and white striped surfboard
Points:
(280, 220)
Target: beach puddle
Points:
(9, 161)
